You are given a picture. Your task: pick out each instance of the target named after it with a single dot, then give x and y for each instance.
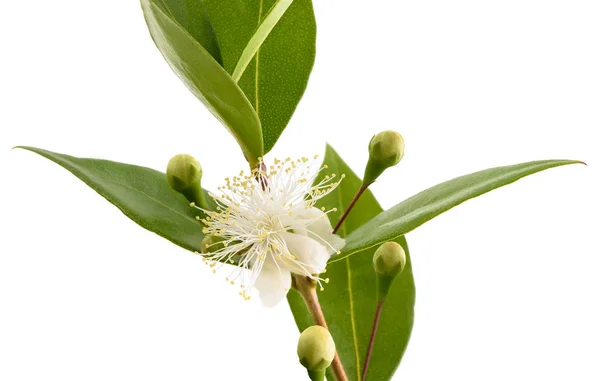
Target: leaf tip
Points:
(26, 148)
(574, 162)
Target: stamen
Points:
(252, 211)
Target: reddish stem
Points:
(372, 340)
(307, 289)
(361, 190)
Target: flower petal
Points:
(310, 256)
(321, 226)
(273, 283)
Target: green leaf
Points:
(192, 16)
(205, 78)
(260, 35)
(142, 194)
(277, 76)
(424, 206)
(349, 300)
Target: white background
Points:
(507, 285)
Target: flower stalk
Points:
(359, 193)
(372, 339)
(388, 262)
(386, 149)
(316, 375)
(307, 288)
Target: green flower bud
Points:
(211, 243)
(316, 350)
(184, 174)
(389, 261)
(386, 149)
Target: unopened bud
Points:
(211, 243)
(389, 261)
(184, 174)
(316, 350)
(386, 149)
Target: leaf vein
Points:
(256, 70)
(350, 294)
(148, 196)
(168, 9)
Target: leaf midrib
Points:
(168, 9)
(189, 218)
(350, 295)
(256, 71)
(75, 169)
(436, 206)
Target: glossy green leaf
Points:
(277, 76)
(260, 35)
(350, 297)
(142, 194)
(424, 206)
(192, 16)
(205, 78)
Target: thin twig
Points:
(260, 175)
(308, 291)
(372, 339)
(362, 188)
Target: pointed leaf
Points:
(142, 194)
(277, 76)
(424, 206)
(205, 78)
(350, 298)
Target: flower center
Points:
(254, 211)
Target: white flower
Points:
(271, 229)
